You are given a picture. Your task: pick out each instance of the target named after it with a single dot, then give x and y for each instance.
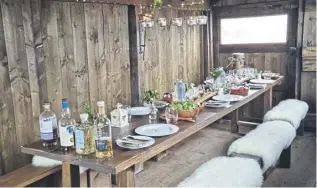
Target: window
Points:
(253, 30)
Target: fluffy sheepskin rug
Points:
(46, 162)
(290, 110)
(226, 172)
(266, 141)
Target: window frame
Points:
(254, 10)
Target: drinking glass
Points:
(171, 115)
(128, 109)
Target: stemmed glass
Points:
(171, 115)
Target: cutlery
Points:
(135, 138)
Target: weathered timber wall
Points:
(171, 53)
(308, 76)
(80, 51)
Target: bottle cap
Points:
(83, 117)
(65, 103)
(101, 103)
(46, 105)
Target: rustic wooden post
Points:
(70, 175)
(133, 47)
(299, 45)
(267, 104)
(126, 178)
(216, 39)
(234, 121)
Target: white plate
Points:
(150, 142)
(228, 98)
(261, 81)
(139, 111)
(157, 129)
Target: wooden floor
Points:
(214, 141)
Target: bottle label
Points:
(66, 135)
(102, 144)
(46, 129)
(79, 139)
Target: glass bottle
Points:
(153, 112)
(66, 127)
(84, 136)
(48, 126)
(180, 90)
(103, 137)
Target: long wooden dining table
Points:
(123, 160)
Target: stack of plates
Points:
(256, 86)
(135, 142)
(217, 104)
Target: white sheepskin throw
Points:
(46, 162)
(226, 172)
(290, 110)
(266, 141)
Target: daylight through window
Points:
(251, 30)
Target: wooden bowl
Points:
(187, 113)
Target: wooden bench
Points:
(27, 175)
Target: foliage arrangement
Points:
(184, 105)
(215, 73)
(150, 95)
(156, 4)
(188, 86)
(88, 110)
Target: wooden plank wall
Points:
(308, 78)
(171, 53)
(80, 51)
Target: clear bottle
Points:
(84, 136)
(66, 127)
(153, 112)
(180, 90)
(103, 137)
(48, 127)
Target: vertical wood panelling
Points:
(31, 62)
(171, 53)
(52, 56)
(8, 141)
(19, 76)
(80, 55)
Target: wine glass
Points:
(171, 115)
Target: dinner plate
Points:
(228, 98)
(150, 142)
(261, 81)
(156, 129)
(140, 111)
(216, 104)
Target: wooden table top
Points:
(124, 159)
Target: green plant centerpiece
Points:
(187, 108)
(150, 96)
(215, 73)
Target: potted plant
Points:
(149, 96)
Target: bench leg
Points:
(267, 100)
(70, 175)
(126, 178)
(300, 130)
(285, 158)
(234, 121)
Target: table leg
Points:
(70, 175)
(234, 121)
(268, 96)
(126, 178)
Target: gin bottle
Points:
(84, 136)
(66, 127)
(103, 133)
(48, 126)
(180, 90)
